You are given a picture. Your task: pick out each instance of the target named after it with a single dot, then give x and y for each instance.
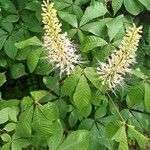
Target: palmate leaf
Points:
(114, 26)
(56, 139)
(146, 3)
(112, 128)
(97, 127)
(43, 118)
(33, 59)
(76, 140)
(92, 42)
(97, 27)
(92, 76)
(29, 42)
(133, 7)
(8, 6)
(71, 82)
(116, 131)
(94, 11)
(140, 138)
(17, 70)
(82, 93)
(135, 95)
(2, 79)
(147, 97)
(69, 85)
(9, 47)
(121, 137)
(116, 5)
(23, 128)
(69, 18)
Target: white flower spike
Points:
(61, 52)
(112, 72)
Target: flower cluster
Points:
(112, 72)
(60, 50)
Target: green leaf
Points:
(146, 3)
(92, 76)
(38, 95)
(137, 72)
(76, 140)
(12, 18)
(61, 5)
(81, 36)
(100, 112)
(92, 42)
(94, 11)
(33, 59)
(69, 85)
(77, 11)
(13, 112)
(8, 26)
(17, 70)
(112, 128)
(3, 62)
(5, 137)
(73, 118)
(42, 124)
(4, 115)
(114, 26)
(34, 41)
(135, 95)
(50, 111)
(2, 40)
(43, 68)
(26, 102)
(97, 28)
(6, 146)
(81, 2)
(8, 6)
(86, 111)
(8, 114)
(133, 7)
(2, 79)
(19, 143)
(10, 48)
(82, 93)
(32, 22)
(135, 135)
(2, 32)
(23, 128)
(55, 139)
(10, 127)
(121, 137)
(50, 82)
(116, 5)
(147, 97)
(69, 18)
(71, 33)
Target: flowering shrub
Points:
(74, 75)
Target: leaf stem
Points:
(116, 107)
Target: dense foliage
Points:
(41, 109)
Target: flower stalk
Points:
(118, 64)
(61, 52)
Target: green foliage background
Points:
(39, 110)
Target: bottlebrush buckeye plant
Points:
(74, 74)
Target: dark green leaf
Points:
(94, 11)
(82, 94)
(92, 42)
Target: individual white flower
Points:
(113, 70)
(59, 49)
